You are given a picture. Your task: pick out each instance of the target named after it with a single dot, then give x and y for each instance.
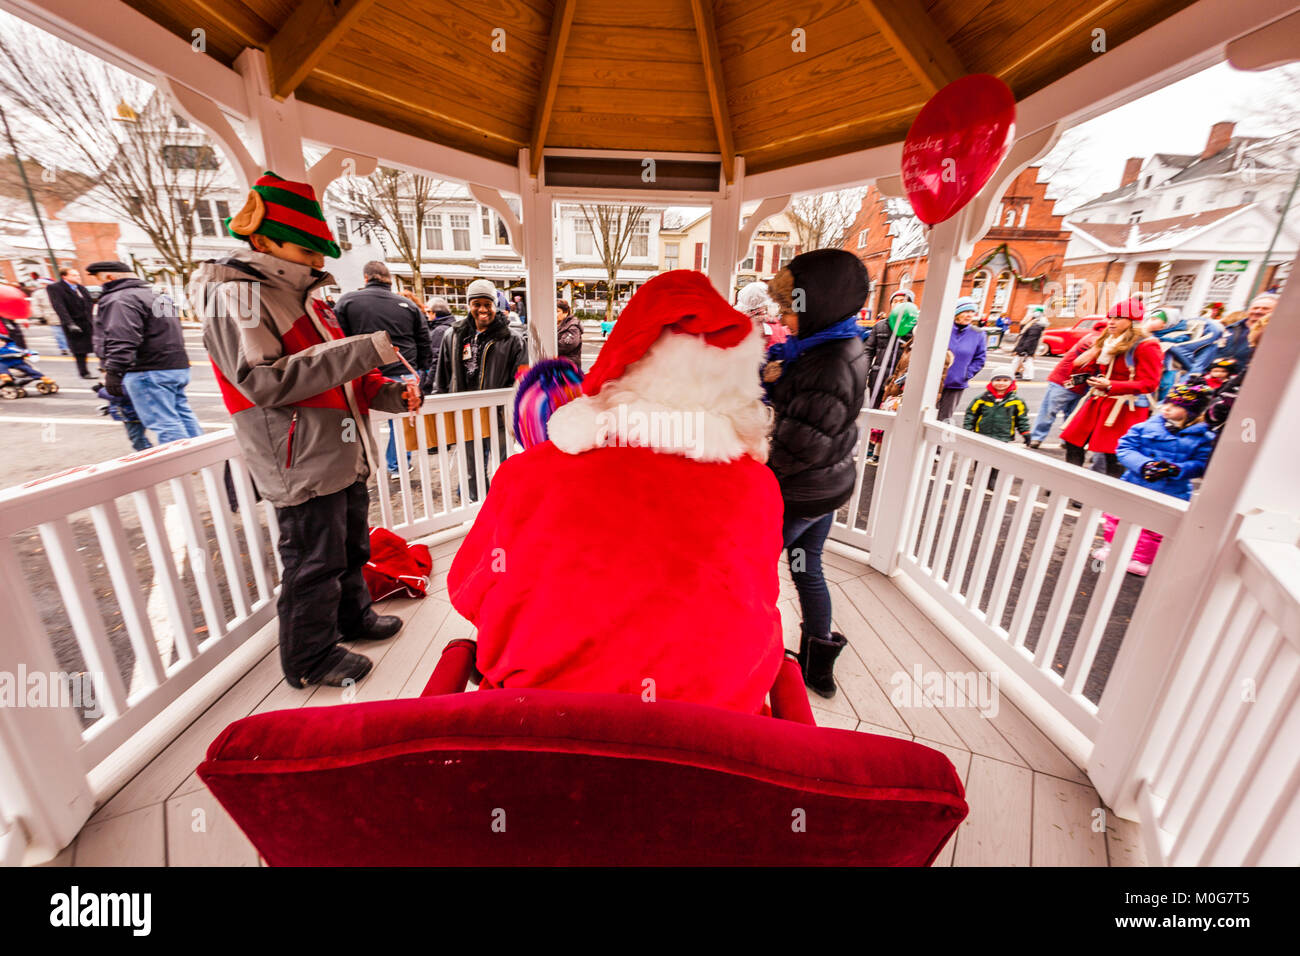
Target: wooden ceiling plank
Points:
(310, 32)
(917, 41)
(708, 37)
(1051, 38)
(561, 24)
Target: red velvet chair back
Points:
(544, 777)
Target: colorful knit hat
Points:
(286, 212)
(1194, 398)
(1229, 365)
(544, 388)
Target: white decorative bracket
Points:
(1267, 47)
(769, 207)
(336, 164)
(1023, 152)
(493, 199)
(205, 114)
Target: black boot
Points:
(803, 650)
(380, 627)
(819, 674)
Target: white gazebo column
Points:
(897, 487)
(275, 127)
(724, 234)
(1200, 288)
(1252, 477)
(897, 491)
(538, 214)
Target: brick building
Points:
(1007, 272)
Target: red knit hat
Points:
(683, 301)
(1128, 309)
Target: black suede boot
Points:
(819, 674)
(803, 650)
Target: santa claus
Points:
(636, 550)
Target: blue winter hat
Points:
(965, 304)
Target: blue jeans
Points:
(1056, 401)
(160, 403)
(135, 432)
(60, 339)
(803, 539)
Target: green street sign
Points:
(1231, 265)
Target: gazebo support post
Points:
(538, 215)
(275, 127)
(724, 231)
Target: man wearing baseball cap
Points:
(298, 391)
(138, 339)
(478, 353)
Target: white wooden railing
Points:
(851, 526)
(442, 498)
(988, 522)
(130, 639)
(1225, 790)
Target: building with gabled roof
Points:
(1190, 229)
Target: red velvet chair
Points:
(539, 777)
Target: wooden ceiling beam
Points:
(310, 32)
(561, 24)
(702, 11)
(917, 41)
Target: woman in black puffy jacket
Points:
(816, 383)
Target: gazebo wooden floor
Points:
(1030, 805)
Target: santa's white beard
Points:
(684, 397)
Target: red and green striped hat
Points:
(286, 212)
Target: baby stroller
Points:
(16, 373)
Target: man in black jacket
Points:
(75, 308)
(478, 353)
(376, 308)
(440, 320)
(143, 352)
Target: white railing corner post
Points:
(900, 483)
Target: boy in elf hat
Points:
(999, 413)
(1163, 453)
(298, 391)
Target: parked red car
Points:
(1059, 341)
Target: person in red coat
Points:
(664, 584)
(1122, 369)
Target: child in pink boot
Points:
(1163, 453)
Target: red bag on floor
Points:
(396, 566)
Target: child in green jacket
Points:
(999, 412)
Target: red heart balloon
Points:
(955, 144)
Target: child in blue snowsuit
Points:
(1163, 453)
(13, 360)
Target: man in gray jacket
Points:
(298, 391)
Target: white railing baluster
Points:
(205, 578)
(938, 503)
(1067, 587)
(951, 510)
(444, 464)
(1100, 605)
(214, 488)
(127, 590)
(426, 470)
(494, 443)
(1015, 546)
(969, 522)
(383, 483)
(1049, 528)
(252, 528)
(925, 481)
(479, 468)
(149, 510)
(83, 612)
(989, 540)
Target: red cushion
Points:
(575, 779)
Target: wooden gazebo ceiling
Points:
(709, 76)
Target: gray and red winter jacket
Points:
(298, 389)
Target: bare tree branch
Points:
(613, 227)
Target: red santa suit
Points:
(1102, 418)
(636, 551)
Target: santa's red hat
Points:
(679, 374)
(681, 301)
